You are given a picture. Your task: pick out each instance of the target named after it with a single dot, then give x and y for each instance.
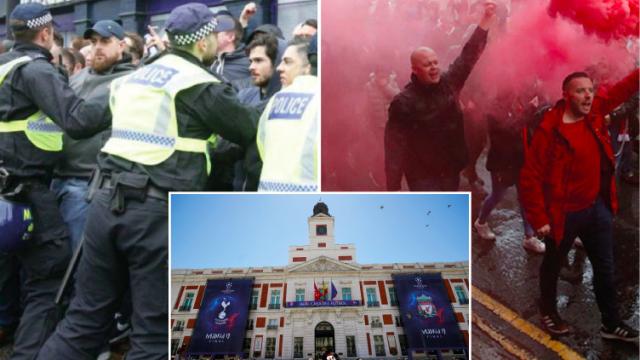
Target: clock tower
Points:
(322, 242)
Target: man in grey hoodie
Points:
(71, 176)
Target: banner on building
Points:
(222, 318)
(322, 303)
(428, 317)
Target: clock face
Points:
(321, 229)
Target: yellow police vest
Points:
(287, 138)
(41, 131)
(144, 125)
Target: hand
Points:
(247, 12)
(155, 39)
(607, 119)
(544, 231)
(489, 16)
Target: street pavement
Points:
(506, 322)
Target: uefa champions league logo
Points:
(419, 284)
(228, 289)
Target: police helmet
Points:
(16, 225)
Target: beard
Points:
(102, 63)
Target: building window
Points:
(462, 295)
(346, 293)
(253, 305)
(275, 299)
(399, 321)
(392, 297)
(273, 324)
(402, 340)
(174, 346)
(379, 345)
(250, 324)
(187, 303)
(179, 326)
(270, 348)
(372, 299)
(246, 347)
(299, 294)
(297, 347)
(321, 230)
(375, 322)
(351, 346)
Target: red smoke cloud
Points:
(606, 18)
(529, 53)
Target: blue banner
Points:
(426, 311)
(222, 318)
(322, 303)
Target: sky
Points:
(250, 230)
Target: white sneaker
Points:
(533, 244)
(484, 231)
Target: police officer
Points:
(36, 105)
(163, 115)
(288, 130)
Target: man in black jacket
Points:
(424, 137)
(36, 105)
(163, 114)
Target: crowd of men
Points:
(563, 157)
(94, 135)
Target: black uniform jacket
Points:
(38, 85)
(201, 111)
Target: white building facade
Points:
(363, 321)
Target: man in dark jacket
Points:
(232, 62)
(35, 104)
(424, 138)
(568, 190)
(71, 176)
(264, 52)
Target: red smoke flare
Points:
(608, 19)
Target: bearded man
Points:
(71, 176)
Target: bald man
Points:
(424, 137)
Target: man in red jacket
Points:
(568, 190)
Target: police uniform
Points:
(36, 105)
(162, 116)
(288, 137)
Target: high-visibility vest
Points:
(144, 125)
(41, 131)
(287, 138)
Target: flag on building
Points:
(316, 292)
(334, 291)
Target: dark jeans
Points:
(436, 183)
(120, 251)
(594, 227)
(71, 194)
(498, 190)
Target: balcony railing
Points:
(376, 324)
(394, 303)
(184, 308)
(272, 326)
(178, 328)
(274, 306)
(253, 306)
(373, 304)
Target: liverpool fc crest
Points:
(426, 308)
